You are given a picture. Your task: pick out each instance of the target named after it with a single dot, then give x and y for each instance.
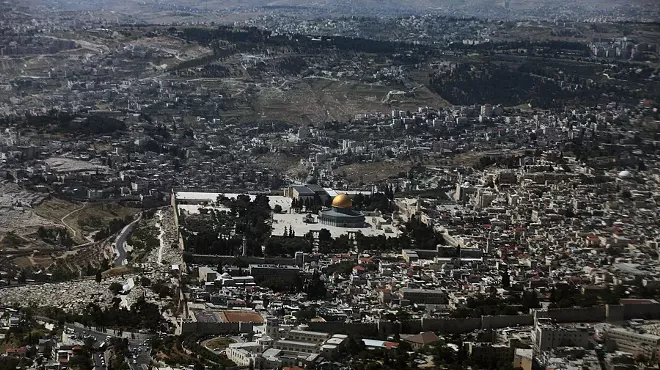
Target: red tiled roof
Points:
(390, 345)
(16, 350)
(241, 316)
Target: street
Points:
(138, 345)
(99, 361)
(120, 241)
(140, 356)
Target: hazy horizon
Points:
(150, 10)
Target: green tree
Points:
(305, 315)
(325, 235)
(530, 299)
(145, 281)
(115, 288)
(81, 359)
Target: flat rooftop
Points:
(272, 266)
(228, 316)
(207, 317)
(637, 301)
(308, 332)
(296, 343)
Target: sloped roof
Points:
(424, 338)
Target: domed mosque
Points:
(342, 214)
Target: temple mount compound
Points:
(341, 213)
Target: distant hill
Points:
(547, 8)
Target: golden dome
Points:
(342, 201)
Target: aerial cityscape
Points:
(329, 185)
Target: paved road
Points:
(138, 344)
(99, 361)
(79, 331)
(101, 335)
(140, 357)
(120, 241)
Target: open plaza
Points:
(289, 219)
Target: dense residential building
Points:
(548, 335)
(188, 184)
(634, 342)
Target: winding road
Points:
(120, 241)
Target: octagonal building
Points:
(342, 214)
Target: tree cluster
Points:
(115, 225)
(312, 205)
(250, 38)
(483, 305)
(287, 245)
(222, 232)
(511, 86)
(377, 201)
(315, 287)
(399, 358)
(61, 122)
(568, 295)
(144, 239)
(55, 236)
(340, 244)
(422, 235)
(142, 315)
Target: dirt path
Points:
(69, 214)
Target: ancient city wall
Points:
(212, 259)
(641, 311)
(505, 321)
(411, 326)
(575, 314)
(175, 212)
(451, 325)
(615, 312)
(196, 327)
(361, 329)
